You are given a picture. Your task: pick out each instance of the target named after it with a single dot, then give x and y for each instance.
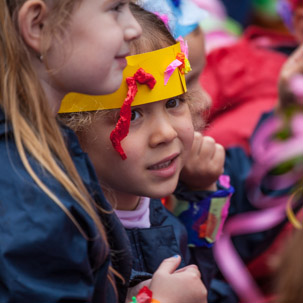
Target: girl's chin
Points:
(112, 86)
(164, 193)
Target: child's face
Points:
(96, 45)
(159, 140)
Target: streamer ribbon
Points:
(122, 127)
(269, 153)
(181, 62)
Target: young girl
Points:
(53, 246)
(152, 155)
(248, 246)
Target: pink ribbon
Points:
(232, 267)
(176, 63)
(170, 69)
(267, 153)
(183, 45)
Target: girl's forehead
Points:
(151, 104)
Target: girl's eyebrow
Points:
(109, 2)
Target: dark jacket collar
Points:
(157, 212)
(4, 127)
(71, 140)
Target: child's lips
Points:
(161, 165)
(122, 61)
(165, 168)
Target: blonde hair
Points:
(35, 129)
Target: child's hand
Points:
(292, 67)
(184, 285)
(204, 165)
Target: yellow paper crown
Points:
(154, 63)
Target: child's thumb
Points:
(169, 265)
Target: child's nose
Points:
(162, 132)
(133, 30)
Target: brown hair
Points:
(155, 34)
(36, 131)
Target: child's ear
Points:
(31, 19)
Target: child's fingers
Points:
(293, 65)
(190, 268)
(186, 267)
(207, 150)
(196, 147)
(297, 55)
(215, 164)
(169, 265)
(219, 158)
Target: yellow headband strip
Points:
(154, 63)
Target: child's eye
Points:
(172, 103)
(135, 115)
(118, 7)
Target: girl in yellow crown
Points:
(54, 244)
(139, 150)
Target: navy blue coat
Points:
(165, 238)
(43, 256)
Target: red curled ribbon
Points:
(122, 127)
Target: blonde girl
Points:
(53, 245)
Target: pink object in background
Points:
(296, 86)
(214, 7)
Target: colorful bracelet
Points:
(144, 296)
(204, 219)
